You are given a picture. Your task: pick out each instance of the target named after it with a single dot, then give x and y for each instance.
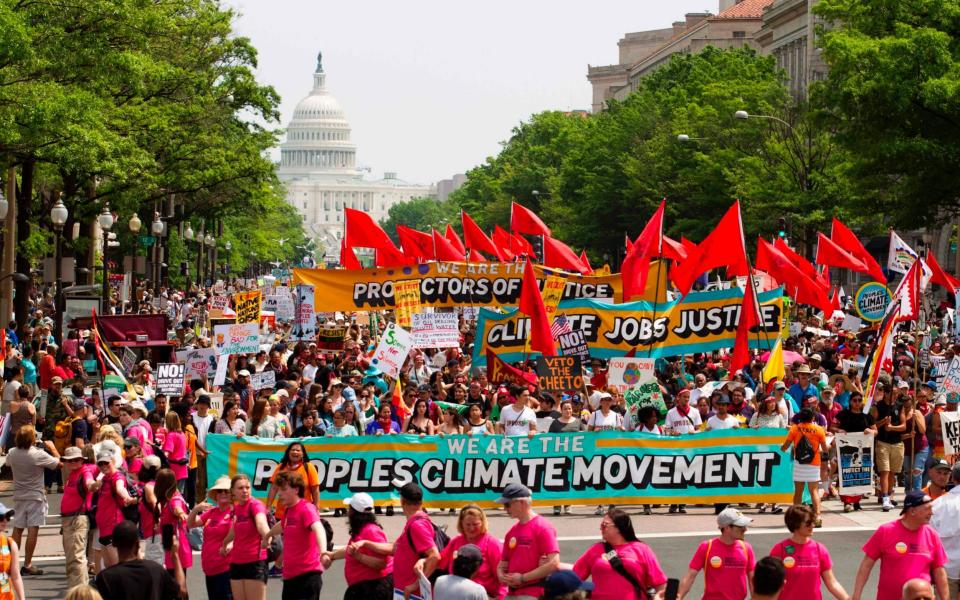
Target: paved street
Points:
(673, 538)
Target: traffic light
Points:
(782, 228)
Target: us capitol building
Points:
(318, 165)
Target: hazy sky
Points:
(431, 88)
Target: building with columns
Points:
(318, 165)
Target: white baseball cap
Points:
(360, 502)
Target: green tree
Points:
(420, 214)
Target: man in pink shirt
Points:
(530, 549)
(907, 548)
(727, 561)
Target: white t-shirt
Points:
(611, 422)
(517, 423)
(310, 371)
(681, 424)
(715, 422)
(593, 400)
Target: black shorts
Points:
(106, 540)
(303, 587)
(371, 589)
(256, 570)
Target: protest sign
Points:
(851, 323)
(699, 322)
(951, 378)
(407, 300)
(625, 372)
(199, 362)
(856, 463)
(304, 318)
(129, 360)
(560, 373)
(219, 302)
(574, 344)
(170, 378)
(738, 465)
(331, 338)
(645, 394)
(552, 293)
(392, 350)
(237, 338)
(435, 330)
(247, 306)
(216, 404)
(447, 284)
(281, 305)
(938, 369)
(950, 427)
(223, 361)
(852, 364)
(871, 301)
(263, 380)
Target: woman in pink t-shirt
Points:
(248, 561)
(216, 520)
(171, 512)
(304, 540)
(112, 496)
(806, 561)
(369, 574)
(175, 447)
(635, 558)
(152, 540)
(472, 525)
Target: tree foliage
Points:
(420, 214)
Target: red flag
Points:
(524, 220)
(403, 411)
(799, 286)
(523, 246)
(499, 371)
(674, 250)
(723, 247)
(848, 240)
(416, 244)
(628, 245)
(531, 304)
(504, 243)
(834, 302)
(476, 256)
(586, 263)
(391, 256)
(444, 249)
(454, 239)
(803, 264)
(558, 255)
(829, 254)
(908, 293)
(748, 318)
(636, 265)
(476, 239)
(941, 277)
(631, 353)
(363, 231)
(348, 260)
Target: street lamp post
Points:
(134, 224)
(211, 263)
(226, 263)
(157, 229)
(58, 216)
(105, 220)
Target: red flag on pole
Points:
(499, 371)
(558, 255)
(391, 256)
(799, 286)
(586, 263)
(748, 319)
(363, 231)
(523, 246)
(475, 239)
(476, 256)
(416, 244)
(636, 265)
(674, 250)
(524, 220)
(348, 260)
(531, 304)
(506, 249)
(723, 247)
(803, 264)
(848, 240)
(444, 249)
(941, 277)
(454, 239)
(829, 254)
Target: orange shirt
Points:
(933, 495)
(310, 478)
(191, 446)
(814, 434)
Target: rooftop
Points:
(747, 9)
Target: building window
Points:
(739, 34)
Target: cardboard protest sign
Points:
(851, 323)
(128, 361)
(219, 302)
(247, 306)
(950, 426)
(406, 295)
(170, 378)
(392, 350)
(216, 404)
(938, 369)
(435, 330)
(856, 463)
(304, 318)
(264, 380)
(331, 338)
(281, 305)
(223, 361)
(574, 344)
(625, 372)
(199, 361)
(951, 378)
(644, 394)
(237, 338)
(560, 373)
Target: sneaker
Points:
(893, 502)
(682, 509)
(646, 510)
(599, 510)
(887, 504)
(389, 511)
(776, 510)
(556, 511)
(856, 506)
(567, 509)
(275, 572)
(847, 508)
(673, 509)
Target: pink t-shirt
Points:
(523, 547)
(175, 446)
(300, 551)
(725, 568)
(142, 432)
(804, 563)
(638, 559)
(404, 557)
(903, 555)
(167, 517)
(246, 538)
(353, 570)
(147, 521)
(486, 575)
(216, 525)
(108, 507)
(134, 465)
(73, 502)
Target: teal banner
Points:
(565, 468)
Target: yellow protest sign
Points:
(247, 306)
(407, 296)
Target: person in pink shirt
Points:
(152, 539)
(77, 496)
(530, 549)
(907, 548)
(472, 525)
(304, 540)
(806, 561)
(727, 561)
(369, 574)
(171, 513)
(175, 447)
(248, 561)
(132, 417)
(626, 574)
(113, 495)
(215, 519)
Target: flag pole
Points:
(656, 297)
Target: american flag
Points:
(560, 326)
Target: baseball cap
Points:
(471, 551)
(605, 396)
(6, 512)
(203, 400)
(152, 462)
(941, 464)
(914, 499)
(423, 387)
(732, 516)
(561, 583)
(514, 491)
(903, 385)
(243, 373)
(931, 384)
(941, 400)
(56, 379)
(283, 393)
(779, 385)
(360, 502)
(104, 457)
(130, 442)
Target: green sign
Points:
(147, 240)
(608, 467)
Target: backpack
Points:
(62, 433)
(440, 540)
(804, 452)
(131, 512)
(328, 531)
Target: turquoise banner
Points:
(566, 468)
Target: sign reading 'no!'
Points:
(170, 378)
